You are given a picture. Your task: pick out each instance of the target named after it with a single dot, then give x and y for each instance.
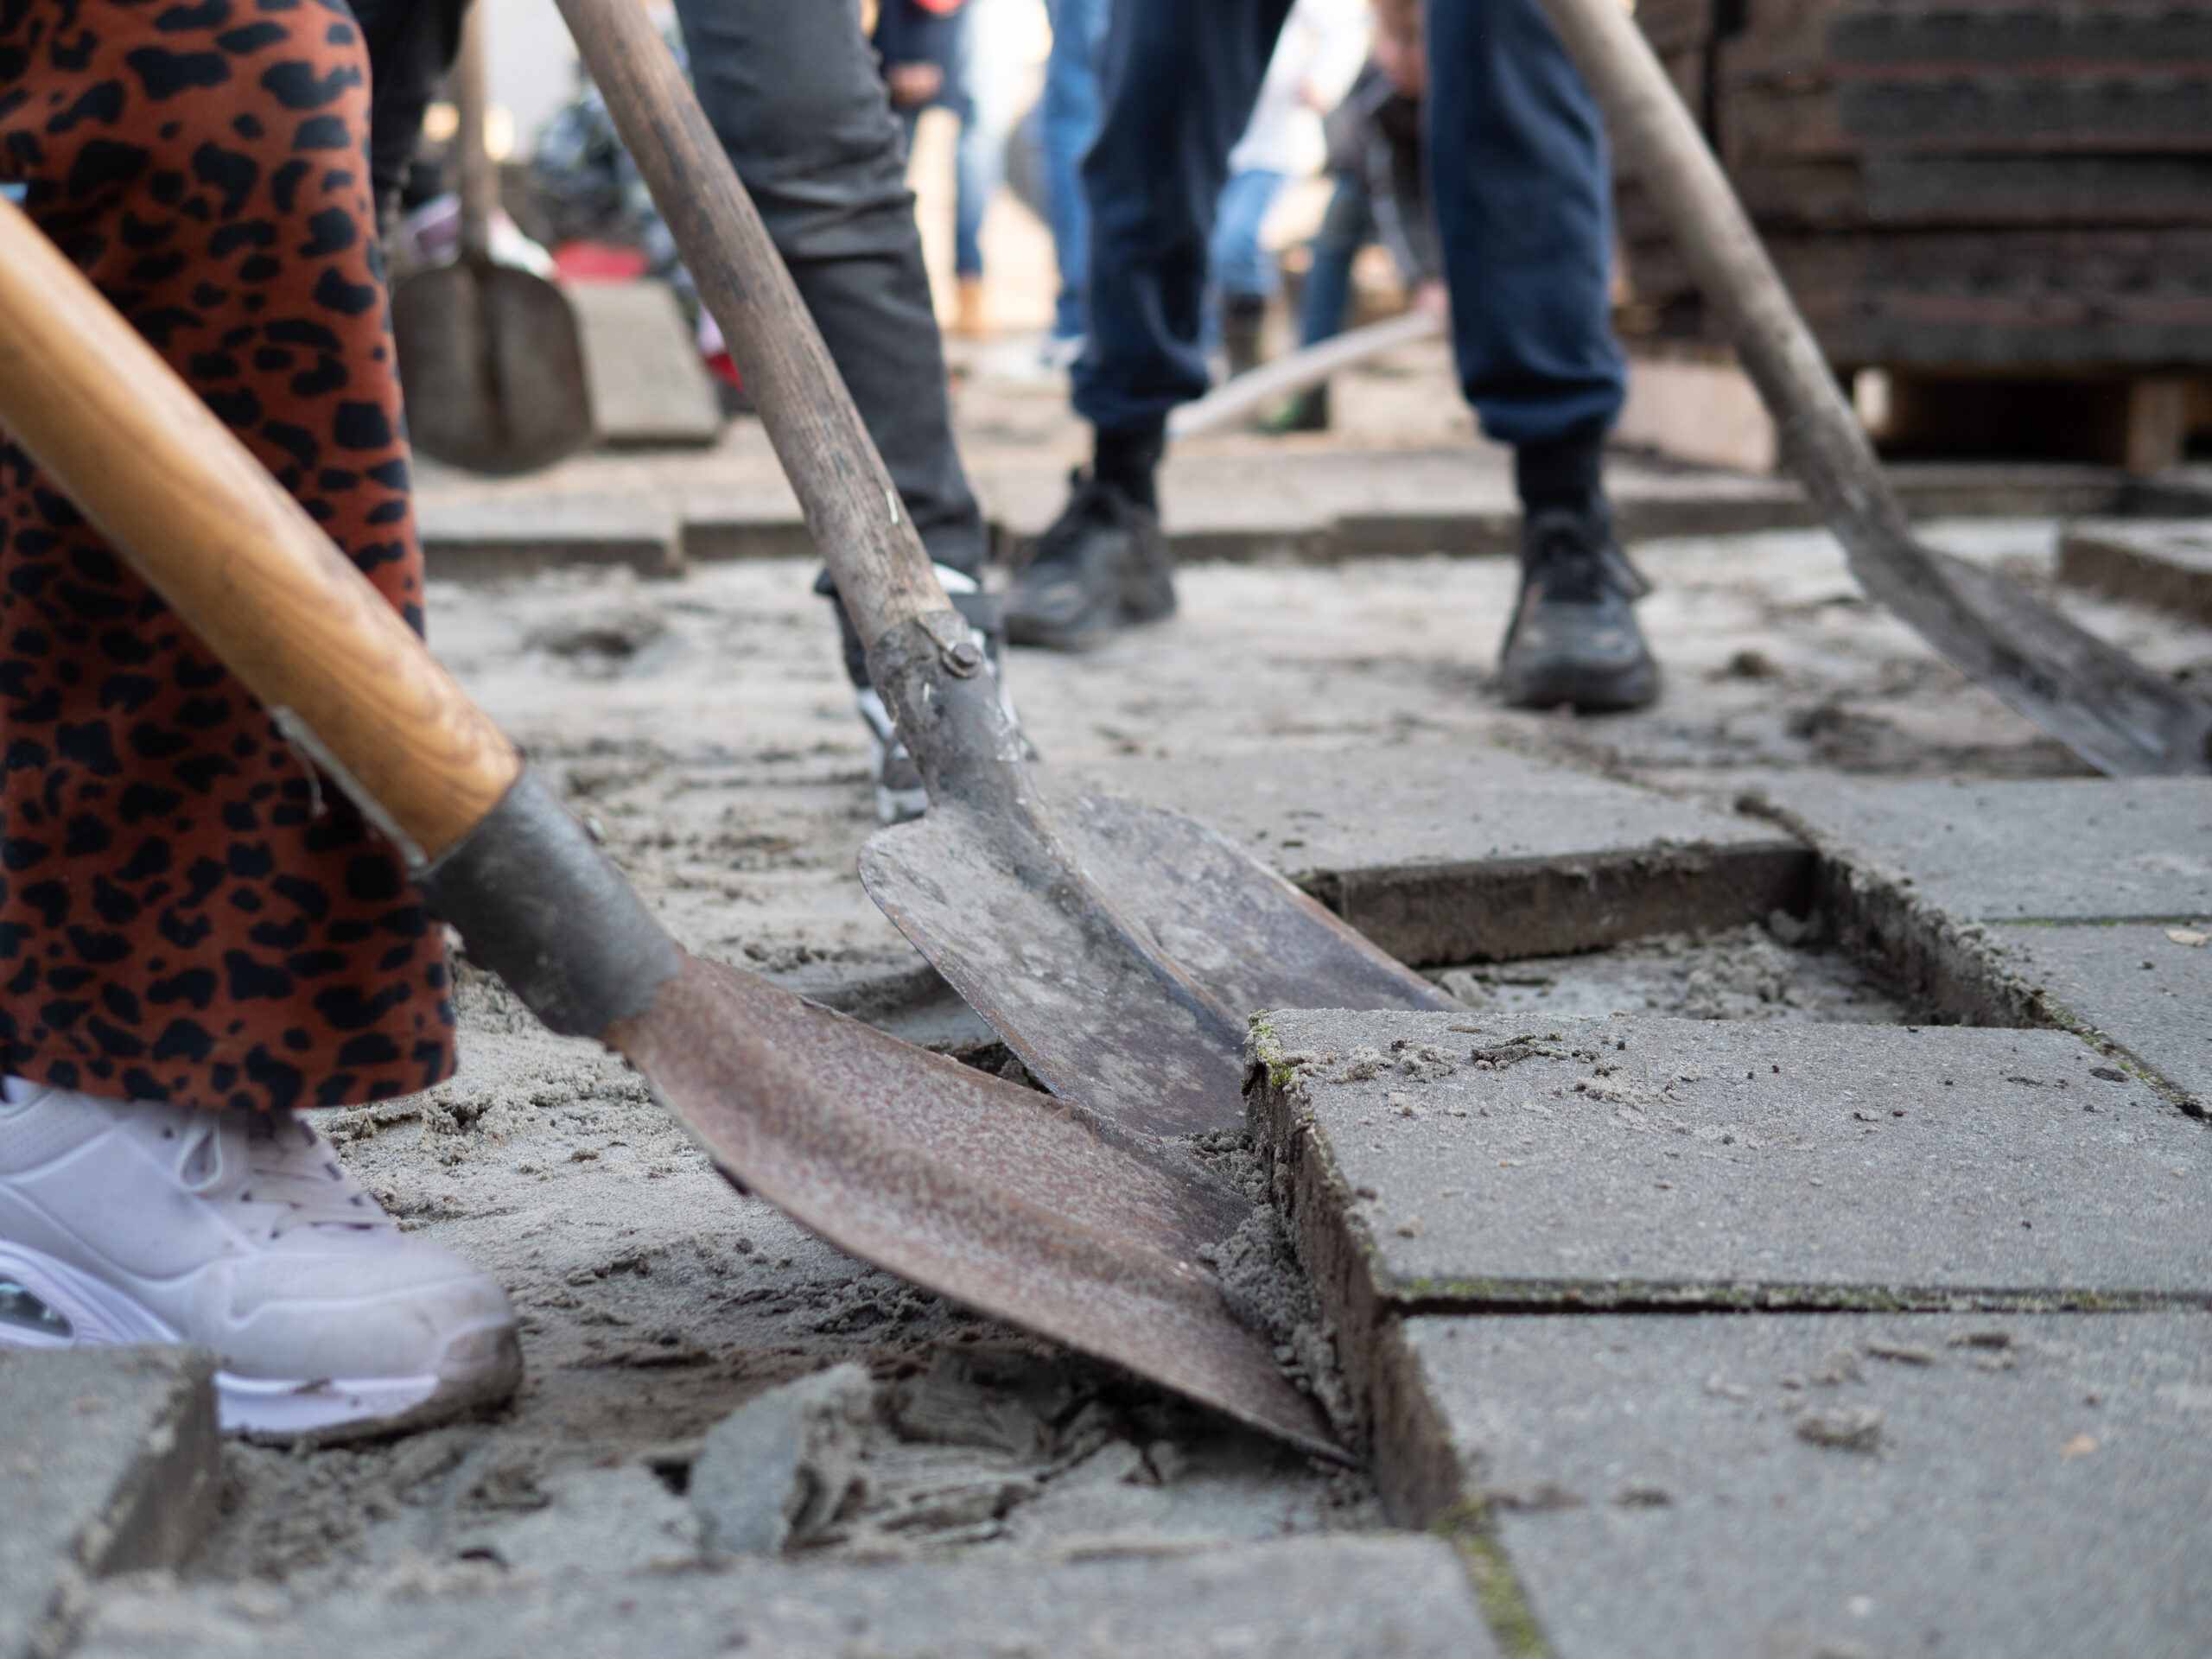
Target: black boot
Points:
(1104, 564)
(1243, 317)
(1574, 638)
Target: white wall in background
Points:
(533, 64)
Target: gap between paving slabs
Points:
(2086, 906)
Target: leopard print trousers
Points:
(184, 915)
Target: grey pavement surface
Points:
(1841, 1486)
(1452, 854)
(1356, 1599)
(107, 1464)
(2165, 563)
(1358, 809)
(1631, 1160)
(2146, 986)
(2057, 849)
(477, 540)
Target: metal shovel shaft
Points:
(2099, 702)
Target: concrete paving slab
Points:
(491, 539)
(2089, 850)
(1490, 1160)
(1464, 853)
(2168, 564)
(648, 387)
(108, 1463)
(2143, 987)
(1838, 1485)
(1361, 1599)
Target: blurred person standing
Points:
(1380, 195)
(1522, 206)
(1068, 116)
(927, 48)
(1316, 57)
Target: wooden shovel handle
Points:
(476, 185)
(235, 556)
(852, 508)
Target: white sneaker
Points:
(122, 1221)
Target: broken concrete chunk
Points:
(1851, 1428)
(108, 1464)
(949, 1405)
(784, 1468)
(591, 1521)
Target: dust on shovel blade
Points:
(996, 1196)
(1120, 950)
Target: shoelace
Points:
(285, 1162)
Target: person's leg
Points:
(1179, 82)
(979, 157)
(1346, 227)
(1522, 198)
(1068, 122)
(793, 94)
(411, 43)
(197, 941)
(1244, 275)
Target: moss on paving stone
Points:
(1497, 1587)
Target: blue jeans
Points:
(1348, 226)
(1068, 122)
(1240, 265)
(1519, 180)
(978, 159)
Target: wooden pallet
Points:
(1998, 188)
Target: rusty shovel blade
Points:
(1119, 949)
(996, 1196)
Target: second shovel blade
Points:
(1122, 956)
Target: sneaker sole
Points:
(481, 1366)
(1588, 692)
(1091, 636)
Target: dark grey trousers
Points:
(792, 91)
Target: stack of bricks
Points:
(2005, 204)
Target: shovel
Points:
(1119, 949)
(2120, 717)
(991, 1194)
(490, 356)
